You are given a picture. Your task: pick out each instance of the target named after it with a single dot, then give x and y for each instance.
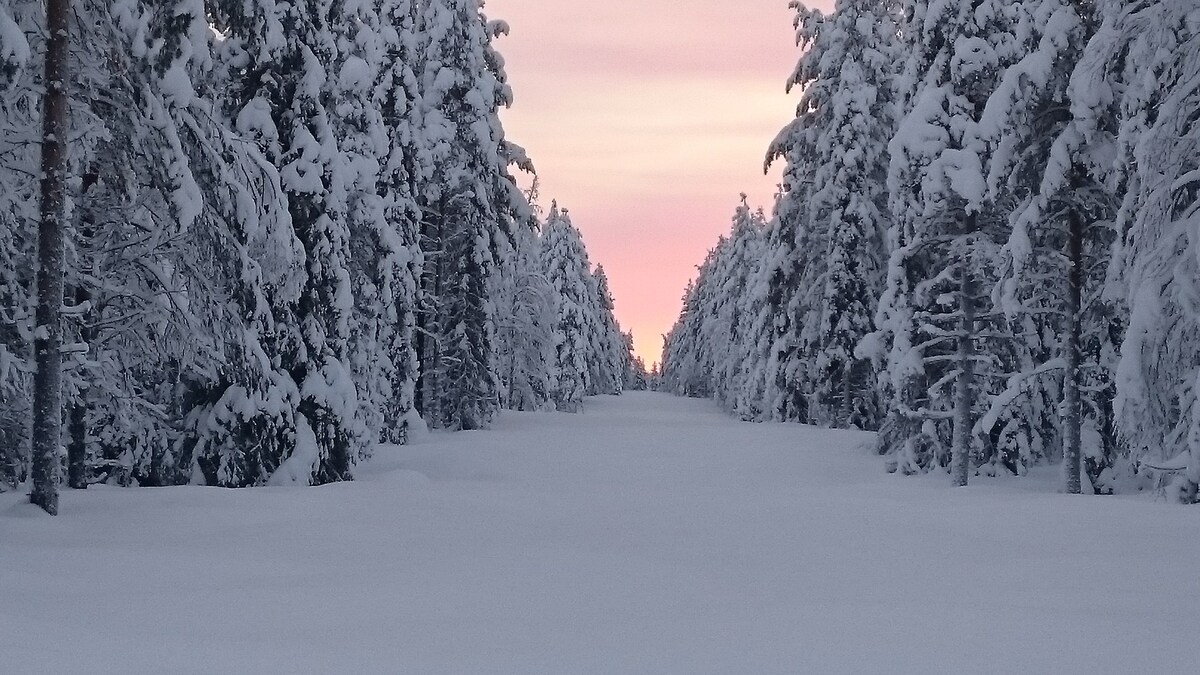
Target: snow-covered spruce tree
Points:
(721, 343)
(815, 220)
(289, 96)
(674, 351)
(469, 204)
(567, 270)
(838, 145)
(610, 352)
(794, 264)
(526, 314)
(720, 315)
(754, 344)
(19, 106)
(688, 356)
(311, 172)
(944, 237)
(242, 260)
(676, 354)
(787, 310)
(708, 351)
(142, 317)
(731, 321)
(636, 375)
(375, 124)
(594, 340)
(1057, 255)
(1146, 52)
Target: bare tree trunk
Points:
(963, 422)
(47, 386)
(1072, 414)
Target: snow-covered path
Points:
(649, 535)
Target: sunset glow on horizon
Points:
(646, 120)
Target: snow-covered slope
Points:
(650, 535)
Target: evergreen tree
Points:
(240, 416)
(787, 310)
(1060, 231)
(711, 349)
(375, 122)
(567, 271)
(687, 362)
(944, 234)
(149, 312)
(289, 96)
(1145, 55)
(733, 313)
(19, 105)
(611, 354)
(469, 204)
(526, 314)
(637, 378)
(839, 141)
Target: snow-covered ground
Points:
(650, 535)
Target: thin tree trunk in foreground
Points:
(961, 457)
(1072, 414)
(47, 386)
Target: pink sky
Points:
(646, 119)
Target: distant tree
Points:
(566, 266)
(731, 332)
(637, 378)
(526, 316)
(713, 347)
(611, 354)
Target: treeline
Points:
(985, 245)
(560, 340)
(292, 231)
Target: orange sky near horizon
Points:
(646, 119)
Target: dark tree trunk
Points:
(963, 422)
(47, 386)
(1072, 414)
